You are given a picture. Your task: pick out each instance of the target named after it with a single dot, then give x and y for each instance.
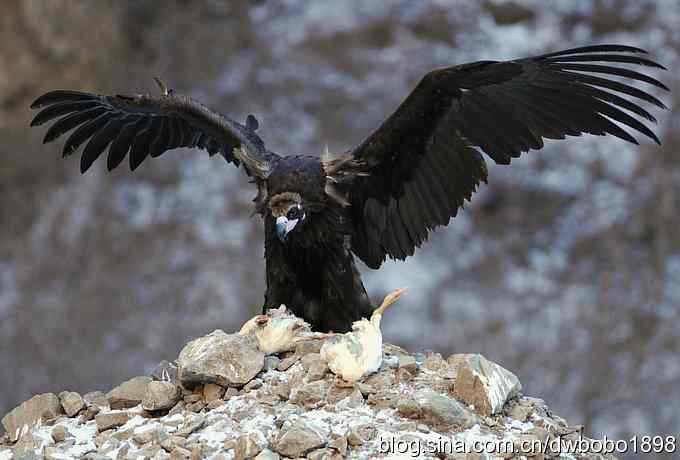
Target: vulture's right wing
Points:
(147, 126)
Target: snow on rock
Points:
(413, 406)
(482, 383)
(225, 359)
(31, 413)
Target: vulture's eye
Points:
(293, 213)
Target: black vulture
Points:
(381, 198)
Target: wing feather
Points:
(424, 161)
(146, 126)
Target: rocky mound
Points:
(223, 399)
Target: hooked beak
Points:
(284, 226)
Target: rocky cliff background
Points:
(565, 269)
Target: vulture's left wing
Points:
(147, 126)
(423, 162)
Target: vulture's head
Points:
(288, 211)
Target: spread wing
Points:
(146, 126)
(425, 159)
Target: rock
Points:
(442, 411)
(409, 408)
(27, 445)
(249, 445)
(171, 442)
(230, 393)
(252, 385)
(433, 361)
(160, 395)
(282, 390)
(324, 454)
(39, 408)
(89, 413)
(482, 383)
(212, 392)
(225, 359)
(308, 346)
(177, 408)
(355, 399)
(180, 453)
(315, 366)
(60, 433)
(72, 402)
(165, 371)
(128, 394)
(267, 454)
(271, 362)
(287, 363)
(111, 420)
(339, 444)
(193, 397)
(298, 439)
(97, 399)
(309, 394)
(198, 406)
(359, 434)
(408, 363)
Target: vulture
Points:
(382, 198)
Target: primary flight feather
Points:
(382, 198)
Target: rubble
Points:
(232, 406)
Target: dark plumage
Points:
(382, 198)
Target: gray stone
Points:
(355, 399)
(324, 454)
(39, 408)
(60, 433)
(96, 398)
(249, 445)
(309, 394)
(225, 359)
(230, 393)
(171, 442)
(110, 420)
(212, 392)
(253, 385)
(267, 454)
(408, 363)
(271, 362)
(359, 434)
(128, 394)
(160, 395)
(339, 444)
(180, 453)
(482, 383)
(308, 346)
(287, 363)
(315, 366)
(72, 402)
(298, 439)
(442, 411)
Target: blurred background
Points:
(564, 269)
